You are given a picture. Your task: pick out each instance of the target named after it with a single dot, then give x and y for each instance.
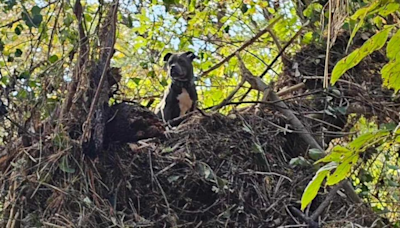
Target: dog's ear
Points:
(167, 56)
(190, 55)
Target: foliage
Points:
(345, 159)
(376, 42)
(390, 73)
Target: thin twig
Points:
(326, 77)
(248, 43)
(53, 30)
(230, 96)
(11, 23)
(277, 57)
(82, 59)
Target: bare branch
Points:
(277, 57)
(248, 43)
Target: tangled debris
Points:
(359, 91)
(214, 171)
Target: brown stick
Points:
(82, 59)
(327, 200)
(248, 43)
(311, 222)
(277, 57)
(291, 89)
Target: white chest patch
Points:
(185, 102)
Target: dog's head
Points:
(179, 66)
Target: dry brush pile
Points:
(211, 171)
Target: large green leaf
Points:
(391, 74)
(393, 47)
(337, 154)
(343, 170)
(366, 139)
(360, 16)
(376, 42)
(389, 8)
(312, 188)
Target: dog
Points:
(181, 96)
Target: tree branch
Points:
(248, 43)
(277, 57)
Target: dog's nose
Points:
(175, 70)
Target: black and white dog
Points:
(180, 97)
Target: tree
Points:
(73, 75)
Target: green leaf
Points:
(151, 74)
(391, 75)
(244, 8)
(226, 29)
(360, 15)
(68, 19)
(136, 80)
(316, 154)
(389, 8)
(88, 17)
(37, 20)
(388, 126)
(1, 45)
(299, 162)
(337, 154)
(53, 58)
(312, 188)
(24, 75)
(393, 184)
(35, 10)
(308, 37)
(192, 5)
(394, 167)
(64, 165)
(164, 82)
(205, 171)
(312, 9)
(393, 47)
(367, 138)
(130, 21)
(17, 30)
(173, 178)
(18, 52)
(343, 170)
(376, 42)
(10, 4)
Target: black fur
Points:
(180, 70)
